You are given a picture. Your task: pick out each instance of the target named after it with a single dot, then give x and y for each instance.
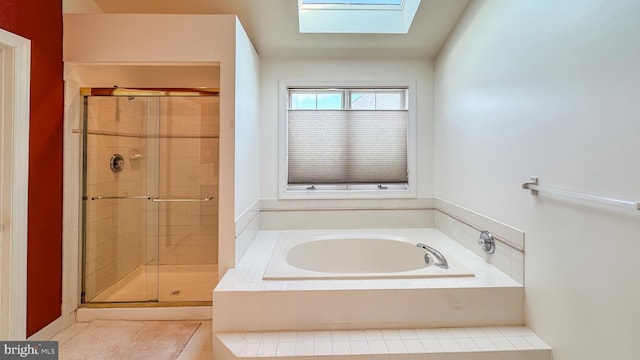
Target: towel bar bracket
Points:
(532, 181)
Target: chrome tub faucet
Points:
(442, 261)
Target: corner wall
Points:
(247, 139)
(550, 89)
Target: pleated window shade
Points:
(347, 146)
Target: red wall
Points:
(41, 22)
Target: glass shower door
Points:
(120, 220)
(150, 219)
(187, 197)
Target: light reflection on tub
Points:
(356, 254)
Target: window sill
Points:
(347, 194)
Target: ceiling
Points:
(272, 26)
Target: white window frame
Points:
(355, 192)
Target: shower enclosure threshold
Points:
(133, 312)
(144, 304)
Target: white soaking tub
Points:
(358, 254)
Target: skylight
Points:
(353, 2)
(356, 16)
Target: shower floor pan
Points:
(174, 283)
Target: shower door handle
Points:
(147, 197)
(143, 197)
(182, 199)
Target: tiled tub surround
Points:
(245, 302)
(424, 212)
(463, 225)
(302, 214)
(469, 318)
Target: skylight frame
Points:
(349, 5)
(356, 19)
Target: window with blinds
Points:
(347, 138)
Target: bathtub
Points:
(358, 254)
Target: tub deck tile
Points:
(247, 275)
(490, 297)
(511, 342)
(416, 318)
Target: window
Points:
(346, 140)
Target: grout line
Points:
(186, 344)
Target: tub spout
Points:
(442, 261)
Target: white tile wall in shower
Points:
(188, 169)
(116, 231)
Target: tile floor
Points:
(198, 347)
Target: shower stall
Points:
(150, 189)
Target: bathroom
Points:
(520, 89)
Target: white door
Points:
(14, 156)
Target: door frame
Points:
(13, 267)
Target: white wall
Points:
(247, 138)
(548, 88)
(344, 70)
